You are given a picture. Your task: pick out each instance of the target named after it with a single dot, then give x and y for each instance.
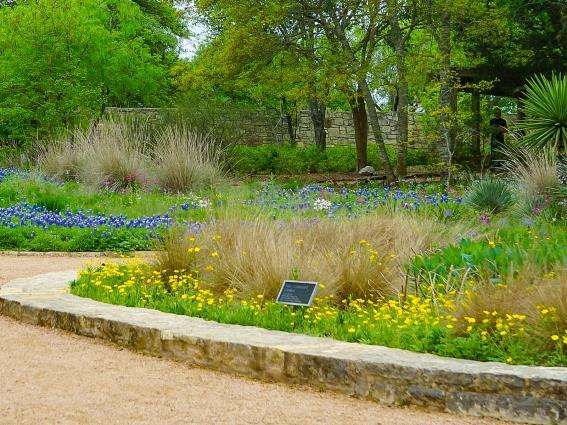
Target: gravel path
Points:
(50, 376)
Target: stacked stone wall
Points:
(265, 128)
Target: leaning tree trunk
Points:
(402, 115)
(376, 130)
(403, 130)
(317, 113)
(287, 120)
(370, 105)
(360, 122)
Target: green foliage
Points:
(545, 106)
(490, 194)
(61, 62)
(74, 239)
(495, 257)
(286, 159)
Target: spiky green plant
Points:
(545, 106)
(490, 194)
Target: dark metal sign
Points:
(296, 292)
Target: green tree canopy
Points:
(63, 61)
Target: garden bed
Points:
(517, 393)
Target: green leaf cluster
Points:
(62, 62)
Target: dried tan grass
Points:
(360, 258)
(110, 154)
(186, 161)
(534, 172)
(525, 293)
(62, 159)
(115, 156)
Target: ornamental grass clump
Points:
(536, 176)
(360, 258)
(109, 155)
(527, 305)
(116, 158)
(185, 161)
(63, 160)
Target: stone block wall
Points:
(266, 128)
(340, 128)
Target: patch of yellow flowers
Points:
(141, 281)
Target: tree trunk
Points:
(403, 128)
(289, 124)
(370, 105)
(477, 119)
(398, 43)
(376, 130)
(360, 121)
(317, 113)
(453, 124)
(444, 43)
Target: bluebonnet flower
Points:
(32, 215)
(352, 201)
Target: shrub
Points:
(490, 194)
(186, 161)
(545, 106)
(287, 159)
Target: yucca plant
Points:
(490, 194)
(545, 106)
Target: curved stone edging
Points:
(519, 393)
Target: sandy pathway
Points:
(49, 376)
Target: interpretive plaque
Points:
(296, 292)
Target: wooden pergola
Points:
(504, 82)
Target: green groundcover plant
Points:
(496, 256)
(65, 239)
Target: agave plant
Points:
(490, 194)
(545, 106)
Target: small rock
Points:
(367, 171)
